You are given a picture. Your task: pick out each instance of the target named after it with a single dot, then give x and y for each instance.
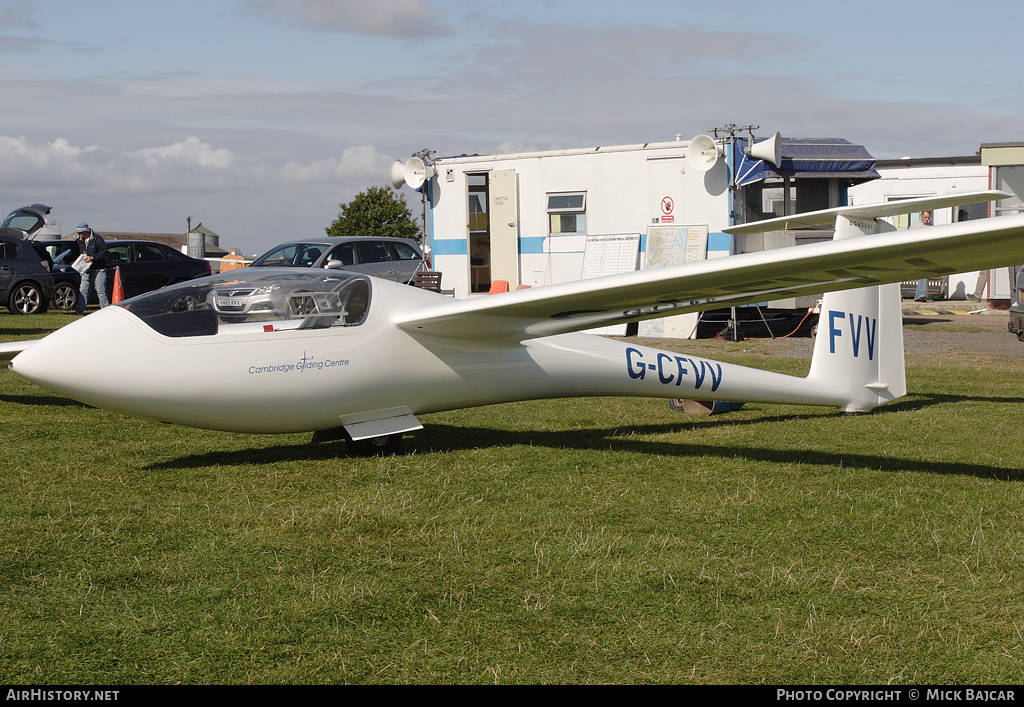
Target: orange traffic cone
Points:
(118, 290)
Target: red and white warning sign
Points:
(667, 207)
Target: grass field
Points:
(572, 541)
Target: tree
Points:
(378, 211)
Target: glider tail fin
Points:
(858, 351)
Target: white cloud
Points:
(389, 18)
(188, 164)
(364, 163)
(24, 161)
(60, 166)
(190, 152)
(241, 196)
(61, 147)
(514, 147)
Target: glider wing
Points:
(875, 259)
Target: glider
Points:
(348, 356)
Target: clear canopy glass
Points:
(282, 298)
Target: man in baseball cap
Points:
(93, 251)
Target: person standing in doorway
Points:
(921, 293)
(93, 251)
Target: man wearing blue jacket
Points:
(93, 250)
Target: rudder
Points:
(858, 351)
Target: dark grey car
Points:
(25, 285)
(397, 259)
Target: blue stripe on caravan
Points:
(449, 246)
(532, 245)
(719, 242)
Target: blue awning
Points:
(816, 158)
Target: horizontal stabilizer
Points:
(827, 217)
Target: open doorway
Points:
(479, 234)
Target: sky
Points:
(258, 118)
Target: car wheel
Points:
(65, 297)
(26, 299)
(383, 446)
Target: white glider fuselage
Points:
(253, 378)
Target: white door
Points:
(504, 226)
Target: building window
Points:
(567, 212)
(477, 203)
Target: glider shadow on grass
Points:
(636, 439)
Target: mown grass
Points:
(580, 541)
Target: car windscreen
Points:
(313, 299)
(291, 255)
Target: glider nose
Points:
(77, 360)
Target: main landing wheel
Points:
(702, 407)
(691, 407)
(383, 446)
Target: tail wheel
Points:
(27, 298)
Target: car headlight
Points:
(266, 289)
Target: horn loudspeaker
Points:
(398, 174)
(417, 172)
(769, 150)
(702, 153)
